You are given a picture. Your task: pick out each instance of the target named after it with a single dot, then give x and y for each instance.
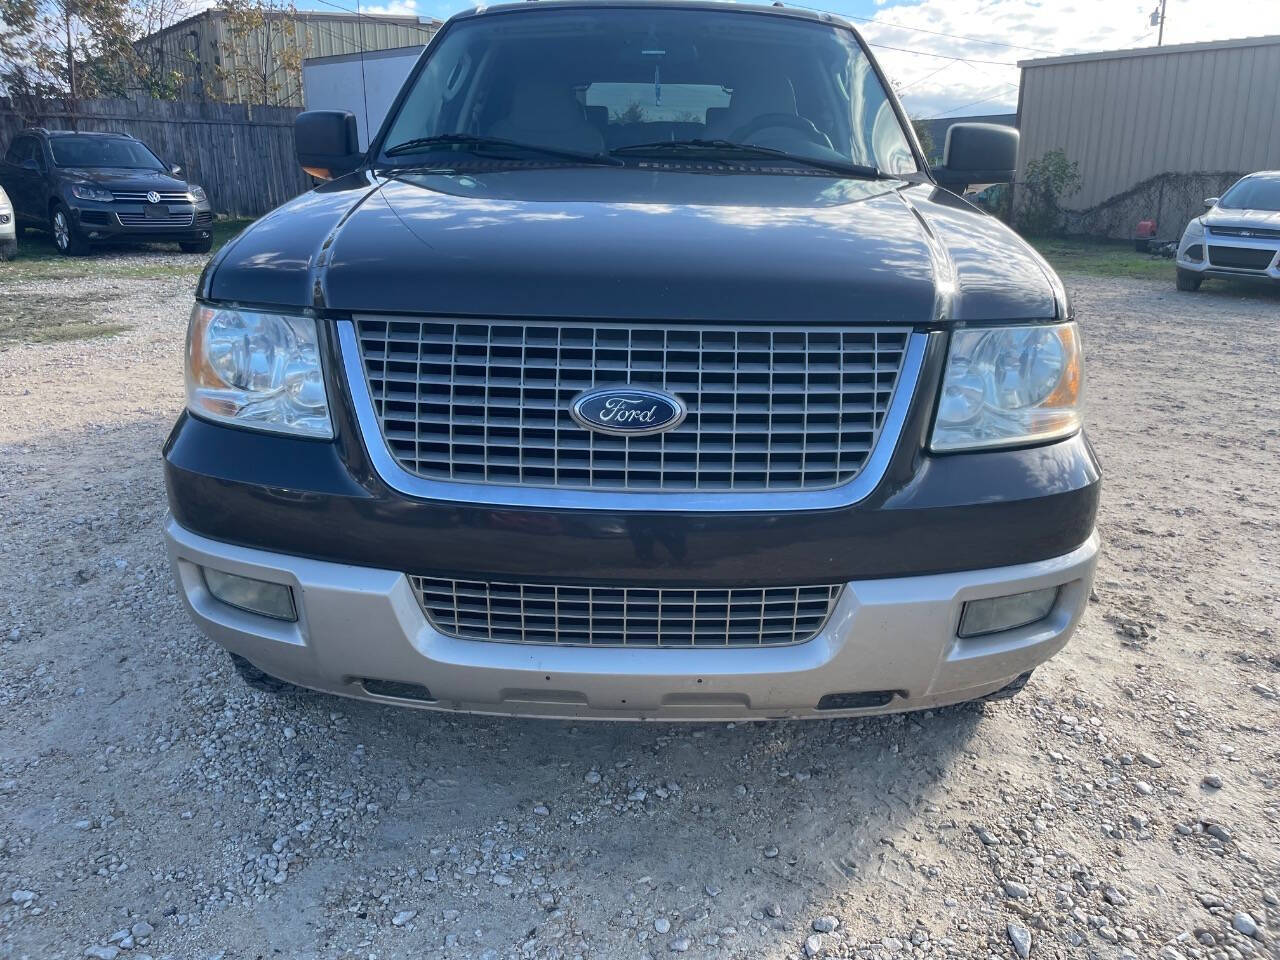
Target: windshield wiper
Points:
(480, 143)
(716, 149)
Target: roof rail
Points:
(34, 130)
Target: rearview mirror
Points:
(1211, 201)
(176, 169)
(977, 153)
(327, 143)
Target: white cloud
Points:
(932, 86)
(400, 8)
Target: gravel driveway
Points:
(1126, 804)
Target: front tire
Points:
(65, 235)
(196, 246)
(8, 249)
(1189, 280)
(259, 680)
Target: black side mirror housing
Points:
(327, 143)
(977, 153)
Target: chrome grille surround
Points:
(182, 218)
(141, 197)
(771, 408)
(611, 616)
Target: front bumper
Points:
(99, 222)
(358, 623)
(1205, 267)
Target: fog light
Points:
(256, 596)
(1005, 613)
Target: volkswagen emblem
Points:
(627, 411)
(153, 197)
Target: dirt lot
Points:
(1127, 804)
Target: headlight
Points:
(197, 194)
(87, 191)
(1009, 385)
(257, 370)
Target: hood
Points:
(1223, 217)
(639, 245)
(126, 178)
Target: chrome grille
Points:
(770, 408)
(625, 616)
(141, 197)
(1262, 233)
(176, 218)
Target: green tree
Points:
(926, 140)
(1046, 183)
(47, 45)
(632, 113)
(79, 49)
(263, 52)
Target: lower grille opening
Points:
(861, 700)
(396, 690)
(1241, 258)
(612, 616)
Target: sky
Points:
(988, 37)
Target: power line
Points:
(927, 76)
(429, 31)
(994, 96)
(943, 56)
(950, 36)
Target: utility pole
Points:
(1157, 19)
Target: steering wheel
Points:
(791, 120)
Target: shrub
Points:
(1047, 181)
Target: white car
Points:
(8, 229)
(1239, 235)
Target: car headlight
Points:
(1192, 235)
(1010, 385)
(88, 191)
(257, 370)
(197, 193)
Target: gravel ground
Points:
(1125, 805)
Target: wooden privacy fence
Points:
(241, 154)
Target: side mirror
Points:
(1211, 201)
(175, 169)
(31, 164)
(327, 143)
(977, 153)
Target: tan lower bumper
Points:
(357, 623)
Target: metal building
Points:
(212, 59)
(1154, 130)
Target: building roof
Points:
(213, 13)
(1153, 51)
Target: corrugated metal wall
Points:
(199, 46)
(1129, 117)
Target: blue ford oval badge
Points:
(627, 411)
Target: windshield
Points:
(102, 152)
(590, 82)
(1253, 193)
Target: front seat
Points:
(549, 116)
(755, 96)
